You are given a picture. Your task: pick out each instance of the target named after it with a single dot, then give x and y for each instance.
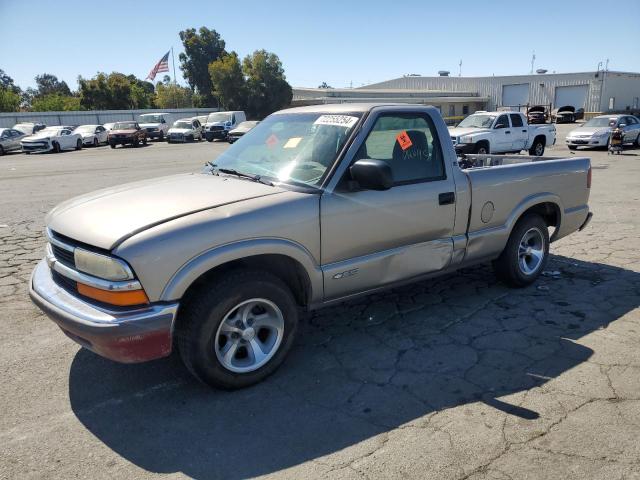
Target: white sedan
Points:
(52, 139)
(92, 134)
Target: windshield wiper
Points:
(230, 171)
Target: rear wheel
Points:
(537, 149)
(526, 253)
(112, 145)
(79, 144)
(236, 332)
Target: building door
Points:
(574, 95)
(514, 95)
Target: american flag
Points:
(161, 66)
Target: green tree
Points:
(49, 84)
(173, 96)
(267, 87)
(7, 82)
(324, 85)
(228, 82)
(55, 102)
(200, 49)
(115, 91)
(9, 100)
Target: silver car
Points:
(596, 132)
(10, 140)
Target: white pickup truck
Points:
(501, 132)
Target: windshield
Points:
(477, 121)
(249, 124)
(124, 126)
(218, 117)
(182, 125)
(601, 122)
(50, 131)
(294, 147)
(86, 129)
(150, 118)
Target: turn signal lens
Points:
(119, 298)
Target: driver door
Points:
(502, 135)
(371, 238)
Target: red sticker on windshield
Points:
(272, 141)
(404, 140)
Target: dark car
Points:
(240, 130)
(127, 133)
(537, 114)
(566, 114)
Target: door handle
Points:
(524, 131)
(507, 131)
(447, 198)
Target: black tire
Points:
(482, 149)
(508, 265)
(637, 142)
(56, 147)
(144, 141)
(95, 143)
(204, 310)
(161, 137)
(135, 143)
(537, 149)
(1, 151)
(572, 147)
(209, 138)
(112, 145)
(79, 145)
(190, 138)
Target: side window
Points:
(504, 120)
(409, 143)
(516, 120)
(5, 134)
(452, 110)
(233, 119)
(465, 109)
(65, 132)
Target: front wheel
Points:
(481, 149)
(537, 149)
(112, 145)
(237, 332)
(79, 145)
(161, 137)
(56, 147)
(525, 256)
(95, 143)
(144, 141)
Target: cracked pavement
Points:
(458, 377)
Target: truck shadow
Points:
(358, 370)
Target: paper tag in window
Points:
(346, 121)
(292, 142)
(272, 141)
(404, 140)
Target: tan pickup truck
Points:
(313, 206)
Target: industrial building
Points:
(595, 92)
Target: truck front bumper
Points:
(464, 147)
(127, 335)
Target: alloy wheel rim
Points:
(531, 251)
(249, 335)
(538, 149)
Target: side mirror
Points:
(372, 174)
(622, 125)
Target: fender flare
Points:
(532, 201)
(210, 259)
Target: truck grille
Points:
(64, 282)
(216, 128)
(63, 256)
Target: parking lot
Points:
(457, 377)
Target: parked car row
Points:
(33, 137)
(537, 114)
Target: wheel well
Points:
(290, 271)
(550, 212)
(540, 137)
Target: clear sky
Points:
(340, 42)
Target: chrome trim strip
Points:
(88, 279)
(58, 243)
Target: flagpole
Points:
(175, 83)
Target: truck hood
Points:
(107, 217)
(149, 125)
(458, 132)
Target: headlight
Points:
(466, 139)
(101, 266)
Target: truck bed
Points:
(472, 161)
